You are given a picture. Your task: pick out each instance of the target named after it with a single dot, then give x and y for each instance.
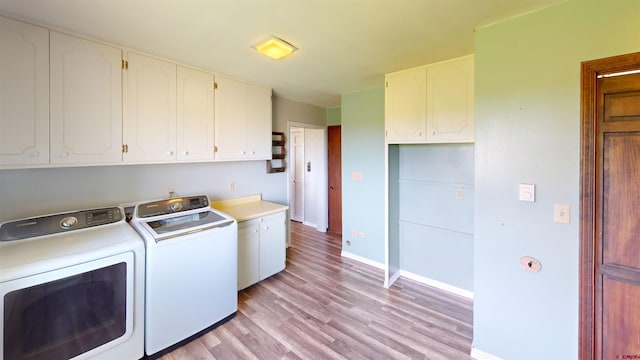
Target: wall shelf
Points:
(278, 153)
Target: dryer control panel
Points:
(57, 223)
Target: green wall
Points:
(363, 152)
(334, 116)
(528, 130)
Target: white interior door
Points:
(296, 174)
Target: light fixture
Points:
(274, 47)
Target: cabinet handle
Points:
(253, 152)
(185, 153)
(35, 154)
(243, 152)
(64, 154)
(170, 152)
(419, 133)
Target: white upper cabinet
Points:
(86, 101)
(431, 104)
(24, 94)
(406, 106)
(242, 120)
(195, 121)
(149, 110)
(450, 101)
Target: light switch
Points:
(528, 192)
(562, 214)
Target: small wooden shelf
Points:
(278, 153)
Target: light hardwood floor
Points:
(323, 306)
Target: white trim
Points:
(481, 355)
(389, 282)
(361, 259)
(437, 284)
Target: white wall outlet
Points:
(562, 214)
(231, 186)
(459, 194)
(361, 235)
(356, 176)
(528, 192)
(354, 234)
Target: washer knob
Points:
(68, 222)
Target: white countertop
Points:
(248, 207)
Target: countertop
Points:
(248, 207)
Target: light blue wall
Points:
(436, 228)
(363, 152)
(528, 130)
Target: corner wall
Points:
(528, 131)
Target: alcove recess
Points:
(278, 151)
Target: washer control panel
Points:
(57, 223)
(170, 206)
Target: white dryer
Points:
(72, 287)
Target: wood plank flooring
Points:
(323, 306)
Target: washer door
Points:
(69, 312)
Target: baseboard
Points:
(437, 284)
(361, 259)
(481, 355)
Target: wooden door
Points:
(334, 150)
(610, 207)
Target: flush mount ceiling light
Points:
(274, 47)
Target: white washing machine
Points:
(72, 287)
(191, 275)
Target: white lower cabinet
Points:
(261, 248)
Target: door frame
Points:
(323, 222)
(589, 190)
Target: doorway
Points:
(609, 206)
(308, 175)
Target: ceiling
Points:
(344, 45)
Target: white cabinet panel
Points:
(431, 104)
(259, 124)
(405, 106)
(150, 110)
(230, 119)
(243, 120)
(450, 101)
(248, 253)
(24, 94)
(86, 101)
(262, 247)
(195, 120)
(273, 245)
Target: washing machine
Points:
(191, 269)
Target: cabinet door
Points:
(230, 119)
(195, 115)
(86, 101)
(149, 110)
(273, 239)
(24, 93)
(405, 106)
(450, 101)
(258, 133)
(248, 253)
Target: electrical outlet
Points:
(562, 214)
(459, 194)
(231, 186)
